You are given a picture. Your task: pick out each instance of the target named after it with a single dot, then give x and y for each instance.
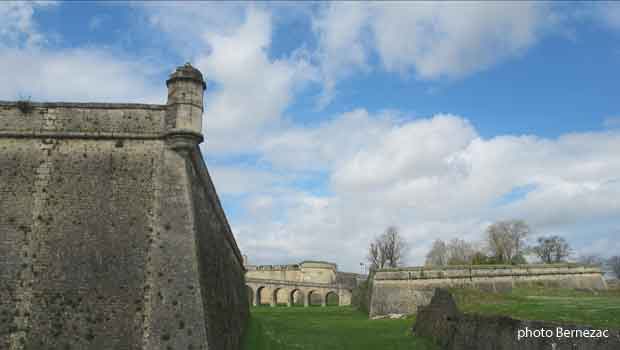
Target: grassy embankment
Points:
(598, 309)
(328, 328)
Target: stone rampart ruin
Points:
(452, 330)
(402, 291)
(112, 235)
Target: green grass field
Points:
(598, 309)
(328, 328)
(342, 328)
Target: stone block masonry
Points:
(402, 291)
(112, 235)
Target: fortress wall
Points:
(111, 232)
(451, 329)
(282, 273)
(220, 262)
(306, 271)
(402, 291)
(76, 217)
(83, 119)
(318, 274)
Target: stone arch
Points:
(296, 297)
(257, 295)
(314, 297)
(332, 298)
(274, 296)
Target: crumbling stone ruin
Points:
(112, 235)
(285, 284)
(403, 290)
(452, 330)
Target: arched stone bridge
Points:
(295, 290)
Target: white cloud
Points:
(88, 75)
(45, 73)
(184, 24)
(253, 89)
(17, 25)
(413, 151)
(454, 39)
(319, 148)
(342, 46)
(230, 43)
(434, 178)
(433, 39)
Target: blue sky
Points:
(326, 122)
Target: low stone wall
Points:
(452, 330)
(402, 291)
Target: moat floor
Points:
(328, 328)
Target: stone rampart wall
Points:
(110, 236)
(402, 291)
(306, 271)
(221, 264)
(452, 330)
(67, 120)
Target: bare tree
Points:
(387, 250)
(395, 247)
(506, 240)
(455, 252)
(552, 249)
(375, 256)
(460, 252)
(614, 263)
(438, 255)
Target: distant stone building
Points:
(306, 283)
(111, 232)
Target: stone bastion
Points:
(403, 290)
(112, 235)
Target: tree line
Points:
(505, 242)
